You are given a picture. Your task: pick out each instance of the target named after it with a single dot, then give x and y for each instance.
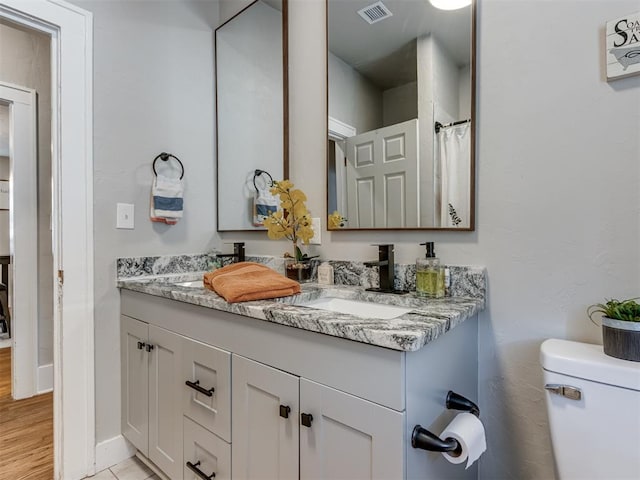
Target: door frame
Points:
(23, 205)
(71, 31)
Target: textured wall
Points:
(25, 61)
(153, 92)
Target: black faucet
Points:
(237, 255)
(386, 267)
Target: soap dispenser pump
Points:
(429, 274)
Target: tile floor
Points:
(130, 469)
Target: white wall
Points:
(153, 92)
(353, 99)
(25, 61)
(400, 104)
(558, 196)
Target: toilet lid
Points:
(583, 360)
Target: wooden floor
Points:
(26, 431)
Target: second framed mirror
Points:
(401, 126)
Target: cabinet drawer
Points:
(207, 368)
(205, 452)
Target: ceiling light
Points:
(450, 4)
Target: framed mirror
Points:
(251, 110)
(401, 107)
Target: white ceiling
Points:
(4, 131)
(383, 50)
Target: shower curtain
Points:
(453, 169)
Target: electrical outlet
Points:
(317, 231)
(125, 216)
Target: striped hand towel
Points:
(166, 199)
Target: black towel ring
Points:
(165, 157)
(259, 172)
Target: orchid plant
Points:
(293, 220)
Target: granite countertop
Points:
(427, 320)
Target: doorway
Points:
(70, 31)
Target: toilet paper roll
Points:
(468, 430)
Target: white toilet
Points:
(593, 402)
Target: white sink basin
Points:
(356, 307)
(192, 284)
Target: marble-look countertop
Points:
(427, 320)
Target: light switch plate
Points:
(317, 231)
(125, 216)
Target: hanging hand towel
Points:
(166, 199)
(264, 204)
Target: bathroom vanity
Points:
(273, 389)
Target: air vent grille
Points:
(375, 13)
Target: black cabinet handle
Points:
(285, 410)
(149, 347)
(306, 419)
(196, 386)
(141, 345)
(194, 468)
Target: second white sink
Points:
(358, 308)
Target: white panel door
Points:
(165, 401)
(264, 430)
(349, 438)
(207, 368)
(382, 177)
(204, 453)
(135, 383)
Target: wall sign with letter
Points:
(623, 46)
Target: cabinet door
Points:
(135, 374)
(265, 436)
(208, 368)
(165, 407)
(206, 453)
(349, 437)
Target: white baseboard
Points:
(113, 451)
(6, 343)
(45, 378)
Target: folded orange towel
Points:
(244, 281)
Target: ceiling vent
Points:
(375, 13)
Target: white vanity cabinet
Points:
(284, 424)
(288, 403)
(265, 421)
(151, 393)
(157, 400)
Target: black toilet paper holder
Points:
(425, 440)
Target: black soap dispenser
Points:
(429, 274)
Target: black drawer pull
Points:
(149, 347)
(306, 419)
(194, 468)
(196, 386)
(285, 410)
(141, 345)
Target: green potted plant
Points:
(620, 327)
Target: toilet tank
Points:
(593, 403)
